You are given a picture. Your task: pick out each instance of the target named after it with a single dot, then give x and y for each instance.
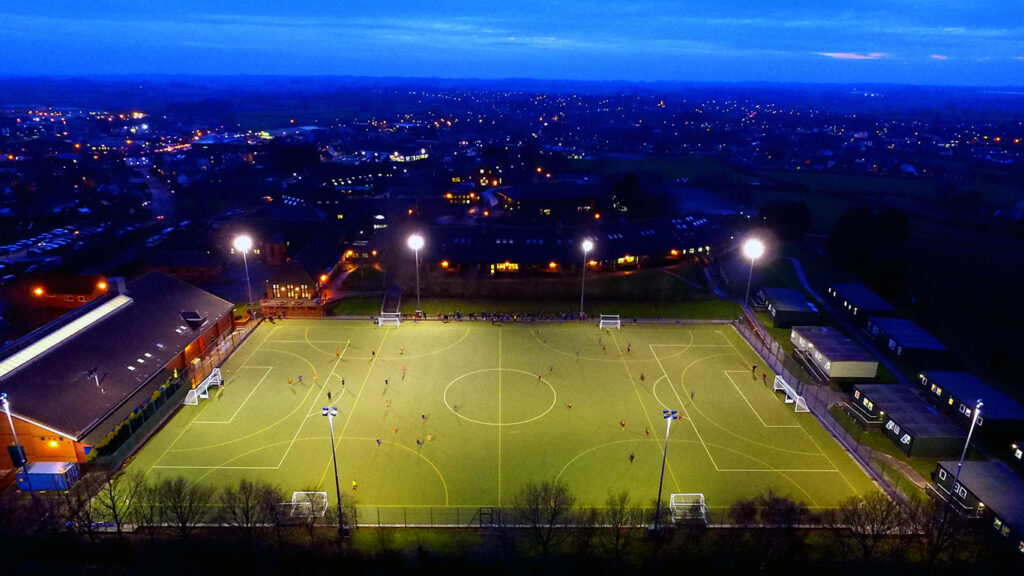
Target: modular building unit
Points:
(48, 476)
(788, 307)
(831, 355)
(858, 302)
(909, 422)
(957, 393)
(989, 490)
(906, 340)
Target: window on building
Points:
(1018, 454)
(937, 390)
(905, 439)
(942, 474)
(962, 492)
(950, 401)
(856, 394)
(69, 298)
(81, 298)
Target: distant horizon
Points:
(1010, 89)
(876, 42)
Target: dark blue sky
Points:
(946, 42)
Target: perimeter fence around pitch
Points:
(820, 397)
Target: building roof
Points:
(833, 344)
(125, 349)
(292, 273)
(907, 333)
(967, 387)
(996, 486)
(80, 284)
(863, 299)
(788, 300)
(183, 259)
(907, 409)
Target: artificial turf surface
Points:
(490, 405)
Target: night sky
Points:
(976, 42)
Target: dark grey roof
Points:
(864, 299)
(833, 344)
(907, 409)
(183, 259)
(907, 333)
(968, 388)
(788, 300)
(57, 390)
(996, 486)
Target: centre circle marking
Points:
(554, 397)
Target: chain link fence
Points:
(820, 397)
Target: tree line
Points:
(128, 520)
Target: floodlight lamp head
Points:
(980, 404)
(415, 242)
(753, 248)
(326, 410)
(588, 245)
(243, 243)
(334, 410)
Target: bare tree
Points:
(780, 520)
(245, 506)
(585, 530)
(545, 511)
(186, 505)
(116, 496)
(940, 527)
(622, 521)
(147, 511)
(867, 523)
(80, 514)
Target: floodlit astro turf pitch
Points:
(496, 405)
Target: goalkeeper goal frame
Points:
(688, 508)
(799, 404)
(202, 390)
(610, 321)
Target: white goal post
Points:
(307, 505)
(203, 389)
(688, 508)
(610, 321)
(791, 396)
(389, 319)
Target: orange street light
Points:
(38, 291)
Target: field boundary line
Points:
(681, 403)
(239, 409)
(752, 409)
(310, 410)
(643, 407)
(355, 404)
(499, 416)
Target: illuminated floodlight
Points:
(415, 242)
(243, 243)
(753, 248)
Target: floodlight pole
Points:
(750, 276)
(583, 282)
(24, 468)
(331, 412)
(669, 415)
(249, 287)
(417, 255)
(974, 420)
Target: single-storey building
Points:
(912, 424)
(988, 490)
(858, 302)
(906, 340)
(73, 382)
(957, 393)
(788, 307)
(831, 355)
